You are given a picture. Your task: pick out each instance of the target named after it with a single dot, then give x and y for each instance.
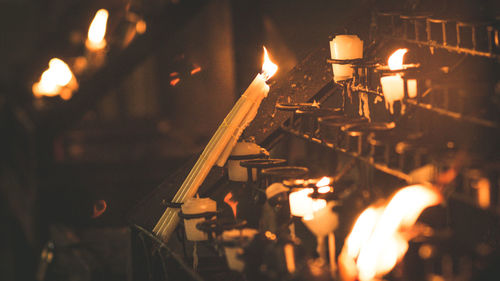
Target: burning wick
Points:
(233, 204)
(97, 31)
(379, 238)
(393, 85)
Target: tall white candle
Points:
(220, 145)
(345, 47)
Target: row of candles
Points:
(347, 48)
(378, 240)
(59, 80)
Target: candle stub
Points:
(240, 239)
(234, 170)
(194, 206)
(345, 47)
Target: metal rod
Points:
(454, 115)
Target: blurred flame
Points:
(378, 241)
(99, 208)
(233, 204)
(174, 81)
(140, 26)
(56, 79)
(396, 59)
(97, 30)
(195, 70)
(268, 67)
(324, 181)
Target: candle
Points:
(393, 85)
(275, 189)
(345, 47)
(195, 206)
(301, 205)
(221, 144)
(238, 238)
(234, 170)
(56, 80)
(323, 222)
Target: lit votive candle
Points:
(195, 206)
(345, 47)
(301, 205)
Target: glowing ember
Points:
(175, 81)
(233, 204)
(55, 79)
(140, 27)
(378, 241)
(396, 59)
(195, 70)
(97, 30)
(268, 67)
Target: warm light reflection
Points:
(56, 80)
(396, 59)
(268, 67)
(97, 30)
(233, 204)
(378, 241)
(324, 181)
(302, 205)
(140, 26)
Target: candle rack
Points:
(443, 33)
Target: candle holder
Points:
(330, 127)
(194, 211)
(234, 241)
(254, 171)
(293, 107)
(345, 50)
(243, 151)
(411, 153)
(356, 134)
(278, 174)
(309, 118)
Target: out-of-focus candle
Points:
(323, 221)
(345, 47)
(301, 205)
(194, 206)
(234, 170)
(240, 238)
(97, 31)
(275, 189)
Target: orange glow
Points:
(378, 241)
(233, 204)
(268, 67)
(140, 27)
(396, 59)
(100, 207)
(97, 30)
(55, 79)
(174, 81)
(195, 70)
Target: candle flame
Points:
(396, 59)
(324, 181)
(55, 79)
(97, 30)
(268, 67)
(233, 204)
(378, 240)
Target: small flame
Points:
(97, 30)
(99, 208)
(233, 204)
(268, 67)
(396, 59)
(140, 26)
(174, 82)
(324, 181)
(378, 241)
(54, 80)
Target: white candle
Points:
(195, 206)
(242, 237)
(234, 170)
(221, 144)
(412, 88)
(301, 205)
(345, 47)
(393, 88)
(275, 189)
